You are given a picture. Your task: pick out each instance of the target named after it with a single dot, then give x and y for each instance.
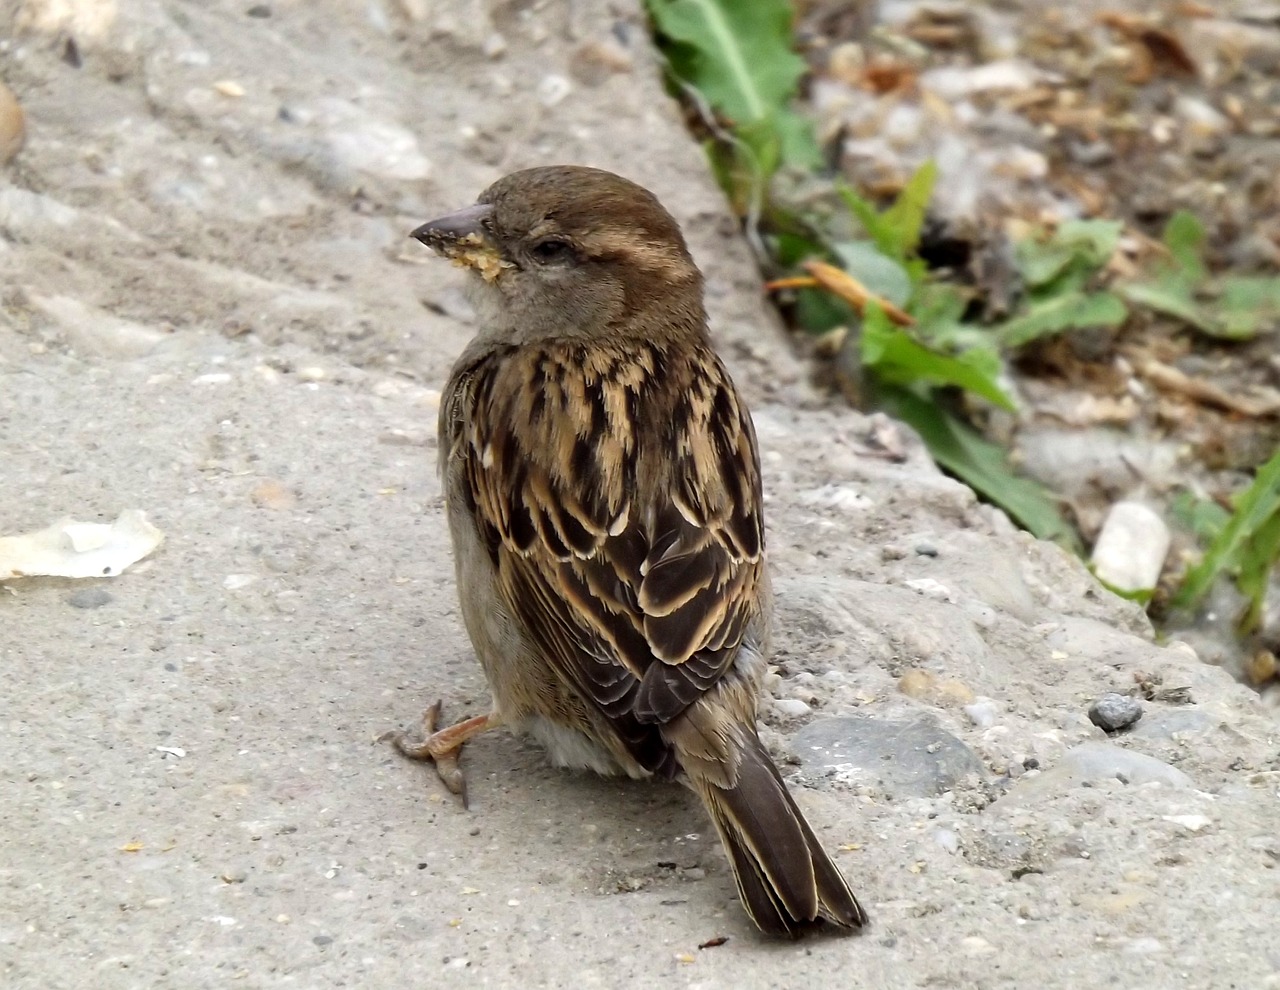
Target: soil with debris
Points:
(210, 311)
(1037, 113)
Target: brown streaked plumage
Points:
(603, 491)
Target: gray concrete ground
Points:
(209, 310)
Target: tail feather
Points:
(786, 880)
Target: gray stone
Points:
(905, 759)
(1113, 712)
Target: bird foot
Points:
(441, 746)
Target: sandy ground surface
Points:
(209, 310)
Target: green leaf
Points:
(796, 140)
(896, 231)
(818, 311)
(939, 308)
(905, 218)
(1184, 237)
(1074, 310)
(738, 56)
(1040, 262)
(760, 148)
(867, 215)
(1201, 516)
(1077, 249)
(941, 304)
(1171, 296)
(899, 359)
(1256, 563)
(1095, 241)
(1248, 545)
(1239, 308)
(980, 464)
(1250, 304)
(790, 247)
(881, 274)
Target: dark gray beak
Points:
(451, 228)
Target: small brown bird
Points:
(603, 491)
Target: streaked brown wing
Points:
(619, 493)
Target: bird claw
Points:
(439, 746)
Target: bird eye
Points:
(551, 251)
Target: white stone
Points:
(1130, 551)
(791, 707)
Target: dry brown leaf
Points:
(1157, 50)
(888, 76)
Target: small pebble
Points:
(495, 46)
(791, 707)
(552, 89)
(1130, 550)
(982, 713)
(323, 940)
(595, 61)
(1113, 712)
(930, 588)
(1192, 823)
(947, 839)
(1090, 153)
(259, 10)
(88, 598)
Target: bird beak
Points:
(453, 227)
(462, 238)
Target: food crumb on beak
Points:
(472, 251)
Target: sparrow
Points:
(602, 485)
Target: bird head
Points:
(568, 251)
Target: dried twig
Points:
(839, 282)
(1170, 379)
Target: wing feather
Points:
(619, 490)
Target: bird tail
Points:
(785, 878)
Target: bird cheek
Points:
(488, 299)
